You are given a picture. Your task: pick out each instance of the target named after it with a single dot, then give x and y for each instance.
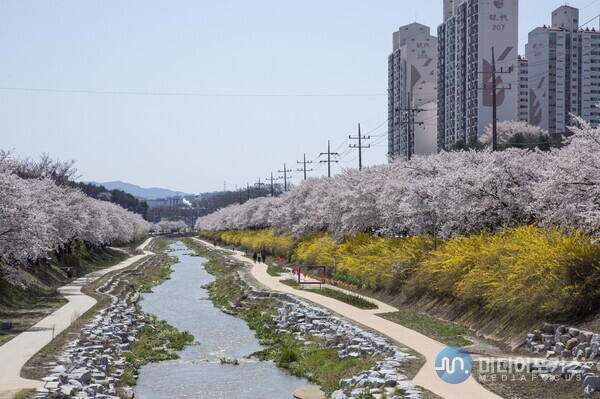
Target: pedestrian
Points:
(259, 257)
(254, 256)
(69, 273)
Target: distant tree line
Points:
(115, 196)
(210, 203)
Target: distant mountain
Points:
(140, 192)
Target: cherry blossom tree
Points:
(516, 134)
(568, 192)
(39, 214)
(171, 226)
(442, 195)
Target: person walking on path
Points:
(259, 257)
(254, 256)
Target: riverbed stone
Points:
(68, 389)
(548, 328)
(592, 381)
(572, 343)
(574, 332)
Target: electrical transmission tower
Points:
(360, 147)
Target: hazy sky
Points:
(195, 143)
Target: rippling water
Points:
(198, 373)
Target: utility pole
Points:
(272, 179)
(285, 178)
(329, 154)
(259, 184)
(494, 105)
(240, 190)
(360, 138)
(410, 123)
(494, 89)
(304, 167)
(248, 188)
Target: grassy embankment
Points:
(154, 343)
(446, 333)
(26, 306)
(353, 300)
(319, 365)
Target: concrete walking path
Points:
(429, 348)
(16, 352)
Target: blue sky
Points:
(196, 143)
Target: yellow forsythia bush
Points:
(383, 262)
(375, 261)
(524, 272)
(264, 241)
(317, 248)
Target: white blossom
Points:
(38, 216)
(444, 194)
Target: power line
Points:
(591, 4)
(341, 145)
(382, 123)
(182, 94)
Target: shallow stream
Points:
(199, 373)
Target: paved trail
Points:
(426, 346)
(16, 352)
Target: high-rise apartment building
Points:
(471, 30)
(523, 87)
(412, 93)
(564, 72)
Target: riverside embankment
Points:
(15, 353)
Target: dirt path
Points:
(429, 348)
(16, 352)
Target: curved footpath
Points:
(429, 348)
(16, 352)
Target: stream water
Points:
(199, 373)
